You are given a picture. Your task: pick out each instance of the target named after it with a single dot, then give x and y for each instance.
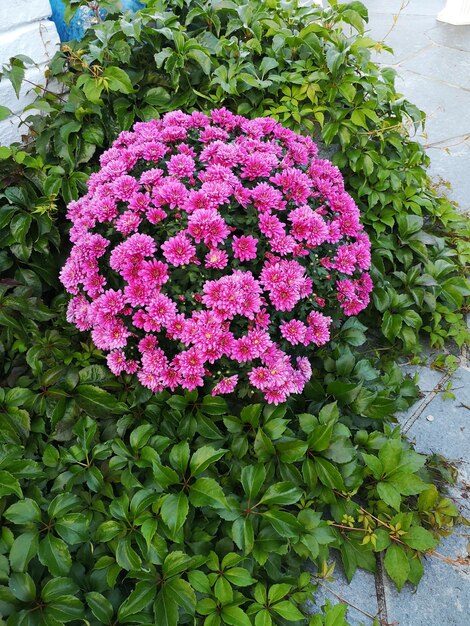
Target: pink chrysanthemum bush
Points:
(215, 250)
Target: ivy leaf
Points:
(397, 565)
(283, 523)
(174, 511)
(203, 457)
(23, 549)
(54, 554)
(9, 485)
(288, 611)
(374, 464)
(239, 576)
(57, 587)
(179, 456)
(234, 616)
(389, 494)
(175, 563)
(138, 600)
(118, 80)
(126, 556)
(223, 590)
(100, 606)
(278, 591)
(23, 512)
(97, 402)
(183, 594)
(22, 586)
(252, 479)
(419, 538)
(328, 474)
(281, 493)
(165, 609)
(206, 492)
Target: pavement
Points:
(432, 60)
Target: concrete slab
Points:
(412, 7)
(405, 36)
(449, 432)
(360, 593)
(452, 164)
(443, 595)
(457, 37)
(450, 66)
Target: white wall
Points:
(24, 29)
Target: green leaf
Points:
(239, 576)
(263, 618)
(397, 565)
(126, 556)
(73, 528)
(54, 554)
(281, 493)
(252, 479)
(63, 609)
(174, 511)
(288, 611)
(278, 591)
(203, 457)
(223, 591)
(22, 586)
(165, 609)
(391, 325)
(118, 80)
(138, 600)
(390, 455)
(374, 464)
(389, 494)
(100, 606)
(97, 402)
(23, 512)
(158, 97)
(199, 581)
(179, 456)
(62, 504)
(234, 616)
(175, 563)
(419, 538)
(58, 587)
(183, 594)
(328, 474)
(4, 113)
(23, 549)
(214, 405)
(206, 492)
(9, 485)
(283, 523)
(108, 530)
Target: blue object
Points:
(83, 18)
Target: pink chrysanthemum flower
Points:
(216, 227)
(226, 385)
(294, 331)
(244, 247)
(178, 250)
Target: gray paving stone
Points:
(451, 36)
(449, 432)
(414, 7)
(452, 164)
(443, 595)
(360, 592)
(406, 38)
(446, 107)
(438, 62)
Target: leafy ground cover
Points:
(122, 507)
